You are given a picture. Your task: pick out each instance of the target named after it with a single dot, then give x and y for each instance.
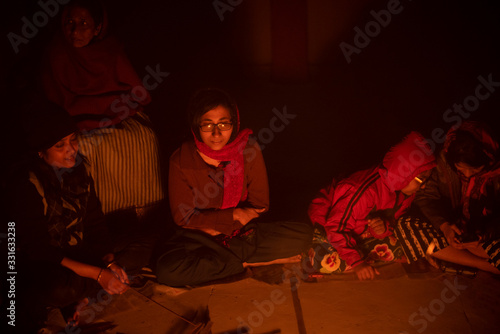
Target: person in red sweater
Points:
(86, 71)
(360, 209)
(218, 192)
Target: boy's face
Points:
(416, 183)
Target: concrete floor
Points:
(396, 302)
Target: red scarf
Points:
(234, 170)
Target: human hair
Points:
(467, 149)
(205, 100)
(45, 123)
(95, 8)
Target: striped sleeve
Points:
(349, 204)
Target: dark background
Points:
(347, 115)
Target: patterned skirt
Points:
(492, 248)
(322, 257)
(124, 163)
(416, 235)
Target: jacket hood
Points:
(480, 132)
(406, 160)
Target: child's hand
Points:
(244, 215)
(377, 226)
(450, 232)
(365, 271)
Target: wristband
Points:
(99, 276)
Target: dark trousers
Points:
(192, 257)
(134, 240)
(133, 251)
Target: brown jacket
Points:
(196, 189)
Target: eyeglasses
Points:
(421, 181)
(209, 127)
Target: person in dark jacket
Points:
(64, 253)
(460, 206)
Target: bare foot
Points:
(292, 259)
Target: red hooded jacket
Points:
(343, 207)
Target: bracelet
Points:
(110, 264)
(99, 276)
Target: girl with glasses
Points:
(218, 191)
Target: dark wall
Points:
(347, 114)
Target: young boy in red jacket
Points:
(356, 212)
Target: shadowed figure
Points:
(86, 71)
